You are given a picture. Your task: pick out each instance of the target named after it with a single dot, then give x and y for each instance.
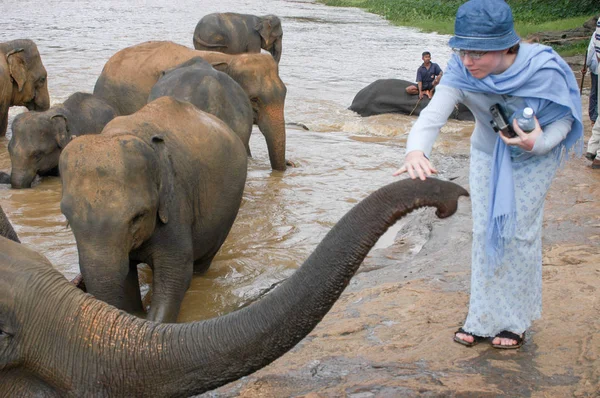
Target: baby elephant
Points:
(39, 137)
(233, 33)
(161, 186)
(197, 82)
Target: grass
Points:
(438, 15)
(525, 28)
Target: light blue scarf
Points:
(547, 84)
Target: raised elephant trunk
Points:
(106, 352)
(271, 122)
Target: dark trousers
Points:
(593, 108)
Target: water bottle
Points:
(525, 120)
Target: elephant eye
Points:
(3, 333)
(138, 217)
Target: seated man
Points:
(428, 76)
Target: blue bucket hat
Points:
(484, 25)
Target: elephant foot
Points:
(291, 163)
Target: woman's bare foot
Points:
(506, 339)
(465, 337)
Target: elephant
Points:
(163, 187)
(390, 96)
(233, 33)
(23, 79)
(89, 348)
(197, 82)
(129, 75)
(38, 138)
(6, 228)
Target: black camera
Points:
(499, 122)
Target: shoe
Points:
(510, 335)
(596, 164)
(590, 156)
(476, 339)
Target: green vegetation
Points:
(438, 15)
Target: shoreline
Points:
(390, 333)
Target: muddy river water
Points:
(329, 55)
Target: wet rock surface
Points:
(390, 334)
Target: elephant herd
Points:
(153, 167)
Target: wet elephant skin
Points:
(234, 33)
(210, 90)
(161, 187)
(22, 79)
(390, 96)
(129, 75)
(111, 353)
(39, 137)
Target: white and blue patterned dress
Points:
(510, 298)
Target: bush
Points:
(532, 11)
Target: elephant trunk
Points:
(271, 122)
(277, 49)
(109, 276)
(107, 352)
(41, 101)
(205, 355)
(22, 177)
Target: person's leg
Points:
(594, 143)
(412, 89)
(593, 106)
(519, 276)
(508, 297)
(479, 177)
(428, 93)
(593, 151)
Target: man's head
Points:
(426, 57)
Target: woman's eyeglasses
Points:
(472, 54)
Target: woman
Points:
(509, 177)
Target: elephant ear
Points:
(165, 191)
(63, 135)
(221, 66)
(264, 28)
(17, 67)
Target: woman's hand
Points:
(523, 140)
(416, 164)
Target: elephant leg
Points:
(3, 120)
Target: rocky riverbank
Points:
(391, 332)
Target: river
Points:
(329, 54)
